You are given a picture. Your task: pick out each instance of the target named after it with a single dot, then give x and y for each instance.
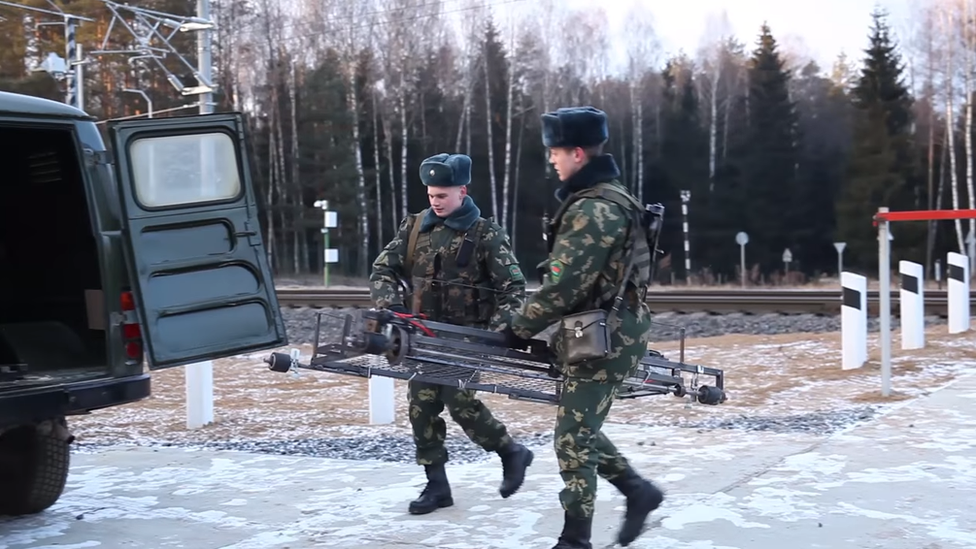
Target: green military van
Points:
(151, 256)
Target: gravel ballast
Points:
(301, 322)
(400, 448)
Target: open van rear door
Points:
(202, 283)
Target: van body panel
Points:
(197, 262)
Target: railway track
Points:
(821, 302)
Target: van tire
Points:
(34, 463)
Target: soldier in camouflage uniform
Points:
(590, 244)
(463, 272)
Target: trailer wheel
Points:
(34, 463)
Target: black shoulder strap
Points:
(470, 243)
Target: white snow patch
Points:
(717, 508)
(235, 502)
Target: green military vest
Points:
(636, 244)
(450, 281)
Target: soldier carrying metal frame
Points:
(602, 244)
(463, 272)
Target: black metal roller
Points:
(710, 395)
(399, 344)
(279, 362)
(375, 344)
(680, 391)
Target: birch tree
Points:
(713, 61)
(925, 63)
(642, 52)
(510, 100)
(947, 27)
(354, 32)
(493, 182)
(968, 32)
(471, 20)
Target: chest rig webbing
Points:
(639, 251)
(435, 285)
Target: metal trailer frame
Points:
(409, 347)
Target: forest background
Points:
(345, 98)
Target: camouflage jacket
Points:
(482, 292)
(586, 259)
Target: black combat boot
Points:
(642, 498)
(436, 494)
(515, 460)
(576, 533)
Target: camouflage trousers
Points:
(582, 449)
(427, 401)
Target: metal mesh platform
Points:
(439, 369)
(381, 343)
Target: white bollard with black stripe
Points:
(854, 320)
(957, 271)
(912, 304)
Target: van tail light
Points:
(131, 331)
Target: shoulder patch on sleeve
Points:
(555, 270)
(516, 272)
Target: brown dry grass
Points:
(765, 375)
(801, 373)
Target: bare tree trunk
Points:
(506, 183)
(464, 116)
(623, 152)
(639, 153)
(403, 148)
(377, 170)
(467, 127)
(422, 107)
(387, 128)
(300, 261)
(491, 143)
(942, 176)
(634, 101)
(951, 139)
(939, 192)
(361, 198)
(273, 180)
(285, 191)
(269, 211)
(967, 80)
(518, 164)
(713, 126)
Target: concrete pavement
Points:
(906, 480)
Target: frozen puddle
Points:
(905, 480)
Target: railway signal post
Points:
(330, 255)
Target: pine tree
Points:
(881, 171)
(767, 158)
(681, 163)
(824, 117)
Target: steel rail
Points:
(820, 302)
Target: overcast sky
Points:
(824, 26)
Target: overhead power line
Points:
(153, 32)
(70, 68)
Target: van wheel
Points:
(34, 463)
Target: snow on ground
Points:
(903, 481)
(810, 474)
(782, 382)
